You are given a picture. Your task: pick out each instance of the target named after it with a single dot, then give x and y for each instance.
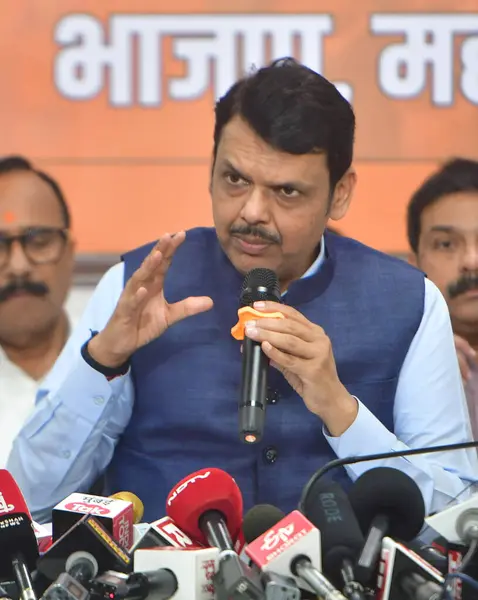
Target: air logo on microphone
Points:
(273, 537)
(4, 507)
(185, 484)
(87, 509)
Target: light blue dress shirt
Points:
(71, 435)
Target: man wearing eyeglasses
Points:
(36, 264)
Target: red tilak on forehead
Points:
(8, 217)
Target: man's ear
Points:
(342, 196)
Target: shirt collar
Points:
(315, 266)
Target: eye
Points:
(289, 192)
(234, 179)
(443, 245)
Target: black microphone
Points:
(259, 519)
(80, 568)
(387, 502)
(160, 584)
(352, 460)
(328, 508)
(18, 544)
(259, 284)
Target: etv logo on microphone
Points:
(273, 537)
(87, 509)
(4, 507)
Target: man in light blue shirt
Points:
(151, 396)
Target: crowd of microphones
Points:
(358, 545)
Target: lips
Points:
(252, 241)
(251, 245)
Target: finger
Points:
(167, 246)
(464, 367)
(284, 342)
(462, 345)
(187, 308)
(304, 331)
(152, 271)
(169, 243)
(281, 360)
(287, 311)
(130, 303)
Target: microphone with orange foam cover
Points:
(18, 544)
(259, 285)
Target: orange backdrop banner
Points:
(115, 99)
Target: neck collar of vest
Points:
(299, 291)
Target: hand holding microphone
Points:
(297, 347)
(142, 313)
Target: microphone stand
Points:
(351, 460)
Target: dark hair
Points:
(295, 110)
(455, 176)
(9, 164)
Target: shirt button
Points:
(270, 455)
(273, 396)
(66, 454)
(98, 400)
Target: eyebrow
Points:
(443, 228)
(296, 185)
(451, 229)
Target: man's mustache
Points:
(35, 288)
(257, 232)
(464, 284)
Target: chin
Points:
(244, 262)
(465, 312)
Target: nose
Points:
(256, 207)
(18, 264)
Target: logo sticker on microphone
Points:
(4, 507)
(273, 537)
(87, 509)
(184, 485)
(168, 529)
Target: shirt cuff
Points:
(366, 435)
(84, 392)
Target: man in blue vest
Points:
(146, 390)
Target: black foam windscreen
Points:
(328, 507)
(259, 519)
(260, 284)
(392, 493)
(17, 538)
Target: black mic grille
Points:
(259, 519)
(260, 284)
(390, 492)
